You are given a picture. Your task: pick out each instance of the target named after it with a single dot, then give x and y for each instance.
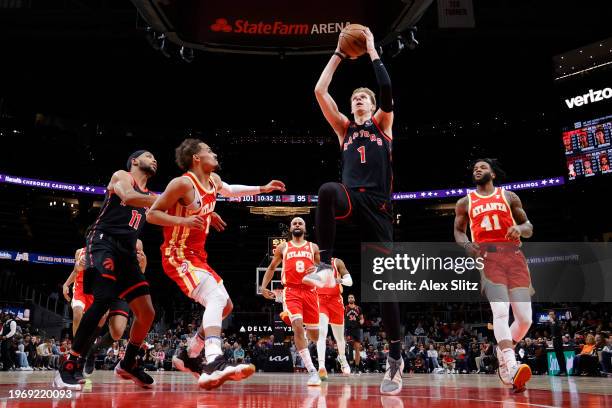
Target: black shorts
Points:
(354, 333)
(119, 307)
(372, 212)
(113, 265)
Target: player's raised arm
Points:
(175, 190)
(345, 277)
(524, 227)
(384, 115)
(334, 117)
(121, 184)
(239, 190)
(276, 260)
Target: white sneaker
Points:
(392, 382)
(314, 379)
(502, 370)
(323, 277)
(344, 366)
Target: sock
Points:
(305, 355)
(195, 345)
(213, 348)
(131, 351)
(322, 341)
(105, 342)
(395, 349)
(510, 359)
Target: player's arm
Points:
(524, 228)
(71, 277)
(276, 260)
(142, 257)
(176, 189)
(384, 115)
(460, 229)
(361, 317)
(345, 277)
(239, 190)
(337, 120)
(121, 184)
(317, 253)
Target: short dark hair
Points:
(495, 166)
(184, 153)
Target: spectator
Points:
(43, 351)
(238, 353)
(432, 357)
(9, 329)
(606, 357)
(158, 356)
(22, 355)
(585, 362)
(461, 360)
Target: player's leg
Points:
(335, 309)
(117, 318)
(322, 344)
(301, 313)
(77, 315)
(334, 204)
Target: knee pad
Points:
(215, 302)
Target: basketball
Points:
(352, 42)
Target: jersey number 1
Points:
(361, 150)
(135, 220)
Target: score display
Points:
(588, 147)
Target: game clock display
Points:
(588, 148)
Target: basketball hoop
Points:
(278, 295)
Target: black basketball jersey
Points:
(366, 158)
(119, 220)
(351, 318)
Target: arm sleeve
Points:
(238, 190)
(384, 85)
(347, 280)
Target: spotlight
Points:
(187, 54)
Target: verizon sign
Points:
(249, 27)
(590, 97)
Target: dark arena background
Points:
(84, 84)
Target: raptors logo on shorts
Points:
(300, 301)
(490, 218)
(330, 300)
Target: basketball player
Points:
(497, 223)
(113, 271)
(184, 210)
(117, 314)
(300, 300)
(365, 193)
(354, 322)
(331, 311)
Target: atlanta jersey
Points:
(297, 259)
(490, 217)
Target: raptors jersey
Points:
(490, 217)
(366, 158)
(179, 237)
(337, 289)
(296, 261)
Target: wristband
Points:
(340, 55)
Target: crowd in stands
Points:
(430, 346)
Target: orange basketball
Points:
(352, 42)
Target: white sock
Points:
(321, 343)
(195, 346)
(213, 348)
(510, 359)
(305, 355)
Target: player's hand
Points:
(472, 249)
(369, 39)
(66, 292)
(194, 221)
(217, 222)
(82, 262)
(272, 186)
(514, 233)
(142, 258)
(268, 294)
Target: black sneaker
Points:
(182, 362)
(65, 376)
(218, 371)
(136, 373)
(78, 373)
(90, 364)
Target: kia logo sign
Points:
(279, 358)
(246, 27)
(592, 96)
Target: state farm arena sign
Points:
(246, 27)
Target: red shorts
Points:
(187, 268)
(80, 299)
(333, 307)
(302, 302)
(507, 268)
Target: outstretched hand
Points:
(272, 186)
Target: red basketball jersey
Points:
(296, 261)
(78, 279)
(336, 290)
(181, 237)
(490, 217)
